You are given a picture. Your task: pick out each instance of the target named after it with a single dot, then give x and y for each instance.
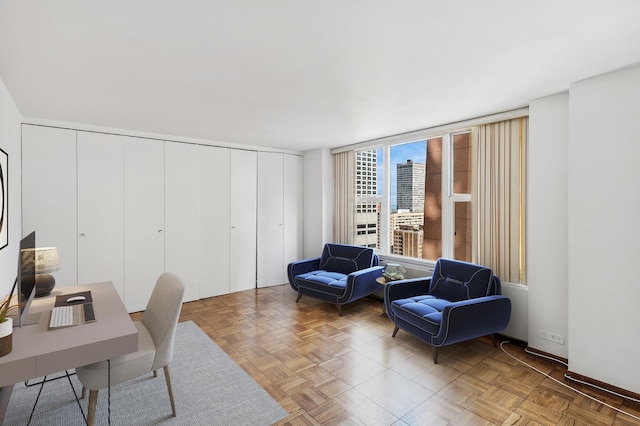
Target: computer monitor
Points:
(26, 268)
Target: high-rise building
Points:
(367, 218)
(403, 218)
(366, 173)
(410, 186)
(407, 233)
(407, 240)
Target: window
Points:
(416, 202)
(445, 196)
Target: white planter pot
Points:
(6, 336)
(6, 328)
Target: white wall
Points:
(547, 266)
(604, 232)
(318, 201)
(519, 295)
(10, 143)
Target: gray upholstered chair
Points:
(156, 334)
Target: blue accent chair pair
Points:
(461, 301)
(342, 274)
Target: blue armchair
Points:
(342, 274)
(461, 301)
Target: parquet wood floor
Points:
(329, 370)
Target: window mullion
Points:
(447, 198)
(385, 210)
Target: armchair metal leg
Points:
(395, 330)
(299, 297)
(435, 355)
(167, 376)
(93, 402)
(339, 310)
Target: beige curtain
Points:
(500, 171)
(344, 195)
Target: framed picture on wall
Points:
(4, 198)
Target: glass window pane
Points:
(368, 184)
(367, 222)
(432, 244)
(462, 234)
(408, 166)
(462, 163)
(408, 172)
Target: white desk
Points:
(38, 351)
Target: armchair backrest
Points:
(496, 287)
(347, 258)
(455, 280)
(162, 314)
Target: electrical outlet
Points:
(552, 337)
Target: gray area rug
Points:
(209, 389)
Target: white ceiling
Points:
(301, 74)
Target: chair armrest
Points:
(367, 274)
(301, 267)
(361, 283)
(403, 289)
(473, 318)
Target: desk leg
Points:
(5, 395)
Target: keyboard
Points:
(63, 316)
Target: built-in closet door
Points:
(215, 194)
(49, 204)
(100, 165)
(243, 220)
(143, 219)
(270, 219)
(293, 210)
(183, 230)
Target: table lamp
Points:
(45, 260)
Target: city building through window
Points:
(458, 195)
(415, 198)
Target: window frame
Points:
(449, 197)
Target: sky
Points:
(416, 151)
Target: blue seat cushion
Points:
(424, 312)
(323, 281)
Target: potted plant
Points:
(6, 326)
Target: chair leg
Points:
(167, 376)
(155, 373)
(93, 402)
(84, 392)
(339, 310)
(435, 355)
(494, 340)
(299, 297)
(395, 330)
